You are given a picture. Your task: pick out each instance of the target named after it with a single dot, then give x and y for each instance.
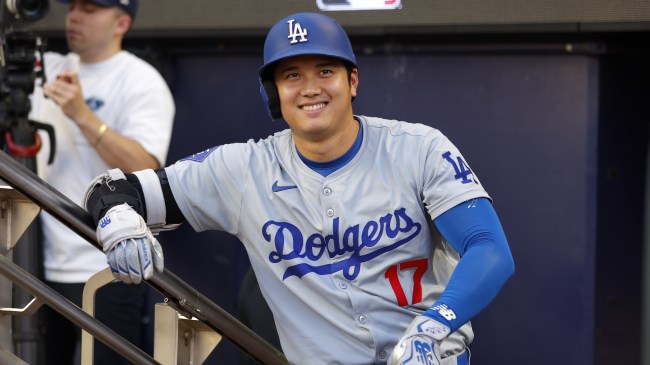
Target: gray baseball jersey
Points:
(345, 261)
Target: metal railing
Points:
(179, 295)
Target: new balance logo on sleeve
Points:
(445, 311)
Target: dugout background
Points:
(547, 100)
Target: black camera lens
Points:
(28, 10)
(31, 6)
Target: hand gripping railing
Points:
(178, 294)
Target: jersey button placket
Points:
(328, 201)
(328, 204)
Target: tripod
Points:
(20, 69)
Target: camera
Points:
(22, 11)
(21, 65)
(19, 48)
(18, 55)
(14, 14)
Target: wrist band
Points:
(100, 133)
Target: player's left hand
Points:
(419, 343)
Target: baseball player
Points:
(373, 241)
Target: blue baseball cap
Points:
(129, 6)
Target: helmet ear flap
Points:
(271, 98)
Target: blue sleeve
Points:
(474, 231)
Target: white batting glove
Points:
(131, 250)
(419, 343)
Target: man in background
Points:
(110, 109)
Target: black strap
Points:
(112, 193)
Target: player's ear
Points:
(271, 98)
(354, 81)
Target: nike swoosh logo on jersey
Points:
(276, 188)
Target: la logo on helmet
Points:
(295, 31)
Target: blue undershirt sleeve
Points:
(475, 232)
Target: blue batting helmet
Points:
(300, 34)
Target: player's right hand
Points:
(131, 250)
(419, 343)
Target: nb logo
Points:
(424, 353)
(445, 311)
(104, 222)
(295, 31)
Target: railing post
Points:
(180, 340)
(16, 214)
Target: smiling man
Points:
(372, 240)
(109, 109)
(315, 94)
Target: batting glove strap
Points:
(419, 343)
(109, 190)
(110, 175)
